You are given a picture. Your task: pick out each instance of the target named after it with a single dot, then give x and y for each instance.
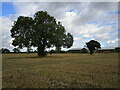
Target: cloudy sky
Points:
(84, 20)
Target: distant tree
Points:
(63, 51)
(51, 52)
(84, 50)
(93, 45)
(4, 50)
(117, 49)
(16, 50)
(39, 31)
(29, 49)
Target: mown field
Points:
(60, 71)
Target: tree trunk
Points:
(91, 52)
(41, 51)
(28, 50)
(58, 49)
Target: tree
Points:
(117, 49)
(84, 50)
(4, 50)
(29, 50)
(16, 50)
(93, 45)
(51, 52)
(39, 31)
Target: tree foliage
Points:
(93, 45)
(84, 50)
(16, 50)
(41, 31)
(117, 49)
(62, 38)
(4, 50)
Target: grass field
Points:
(60, 71)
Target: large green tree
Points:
(41, 31)
(93, 45)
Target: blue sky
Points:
(8, 9)
(85, 21)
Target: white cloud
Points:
(26, 9)
(86, 35)
(76, 38)
(70, 14)
(5, 29)
(114, 42)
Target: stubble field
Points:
(60, 71)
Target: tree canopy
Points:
(16, 50)
(41, 31)
(84, 50)
(4, 50)
(93, 45)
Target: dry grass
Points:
(60, 71)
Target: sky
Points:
(84, 20)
